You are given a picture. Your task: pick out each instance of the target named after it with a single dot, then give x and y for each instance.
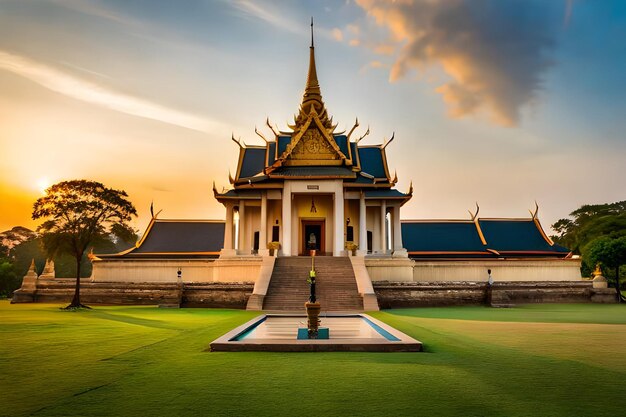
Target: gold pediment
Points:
(313, 146)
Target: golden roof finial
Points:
(312, 98)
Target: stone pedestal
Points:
(600, 282)
(313, 318)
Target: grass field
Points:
(561, 360)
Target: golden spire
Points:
(312, 98)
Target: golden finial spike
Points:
(312, 98)
(366, 133)
(387, 142)
(260, 134)
(534, 215)
(474, 216)
(235, 140)
(356, 124)
(271, 127)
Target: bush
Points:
(9, 279)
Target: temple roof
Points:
(479, 238)
(175, 238)
(311, 149)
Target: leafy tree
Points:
(609, 253)
(589, 222)
(9, 280)
(80, 213)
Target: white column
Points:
(263, 232)
(383, 218)
(295, 227)
(242, 233)
(397, 229)
(362, 225)
(338, 241)
(286, 221)
(228, 227)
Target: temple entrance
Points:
(313, 236)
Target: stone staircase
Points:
(336, 287)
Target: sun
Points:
(43, 184)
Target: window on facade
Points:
(255, 245)
(350, 234)
(275, 233)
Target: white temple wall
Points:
(451, 271)
(152, 271)
(206, 270)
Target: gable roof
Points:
(252, 162)
(176, 238)
(514, 235)
(483, 238)
(442, 236)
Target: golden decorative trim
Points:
(542, 232)
(479, 230)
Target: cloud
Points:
(76, 88)
(273, 17)
(96, 9)
(337, 34)
(495, 52)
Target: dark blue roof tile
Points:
(516, 235)
(441, 236)
(283, 141)
(342, 143)
(372, 161)
(271, 157)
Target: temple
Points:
(311, 187)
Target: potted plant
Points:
(273, 247)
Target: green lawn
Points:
(537, 360)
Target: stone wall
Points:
(402, 294)
(217, 295)
(60, 290)
(409, 270)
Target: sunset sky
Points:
(498, 102)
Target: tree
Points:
(589, 222)
(609, 253)
(9, 280)
(80, 213)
